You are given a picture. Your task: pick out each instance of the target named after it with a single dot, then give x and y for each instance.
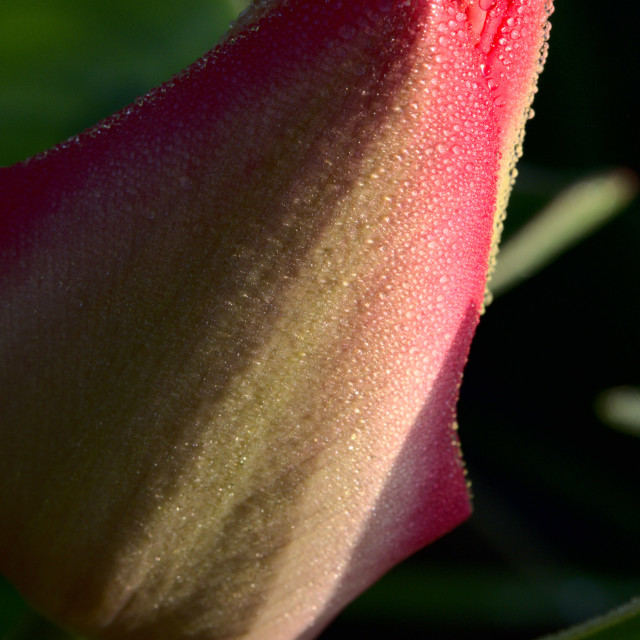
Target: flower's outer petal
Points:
(235, 315)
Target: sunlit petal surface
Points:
(235, 317)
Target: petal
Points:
(235, 317)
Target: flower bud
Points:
(235, 316)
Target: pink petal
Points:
(235, 318)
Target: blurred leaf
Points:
(68, 63)
(619, 407)
(19, 622)
(12, 608)
(575, 213)
(480, 597)
(622, 623)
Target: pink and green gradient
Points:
(235, 317)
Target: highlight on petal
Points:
(235, 316)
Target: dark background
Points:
(554, 538)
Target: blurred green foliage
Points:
(67, 63)
(555, 533)
(621, 623)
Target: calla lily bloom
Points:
(235, 316)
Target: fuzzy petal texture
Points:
(234, 318)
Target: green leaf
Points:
(68, 63)
(622, 623)
(575, 213)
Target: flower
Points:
(235, 317)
